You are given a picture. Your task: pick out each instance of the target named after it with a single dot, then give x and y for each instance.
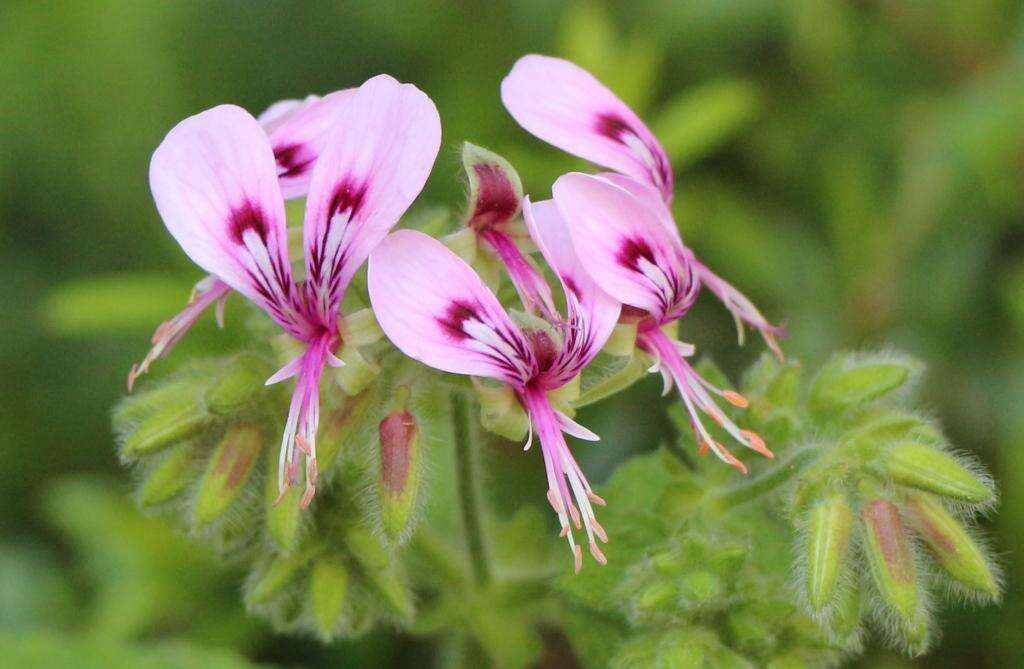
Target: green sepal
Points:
(500, 410)
(238, 388)
(829, 525)
(275, 575)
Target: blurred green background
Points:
(856, 167)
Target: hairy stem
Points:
(465, 473)
(749, 492)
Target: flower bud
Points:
(398, 479)
(844, 383)
(168, 477)
(283, 513)
(229, 468)
(951, 545)
(177, 419)
(828, 537)
(656, 597)
(275, 576)
(495, 190)
(237, 388)
(927, 468)
(328, 585)
(374, 564)
(892, 564)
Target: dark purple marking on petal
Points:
(496, 200)
(293, 160)
(347, 198)
(613, 127)
(458, 313)
(247, 216)
(631, 252)
(571, 287)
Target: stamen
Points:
(598, 555)
(556, 503)
(599, 530)
(596, 499)
(577, 559)
(735, 399)
(757, 443)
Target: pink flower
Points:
(435, 308)
(297, 131)
(566, 106)
(218, 187)
(622, 224)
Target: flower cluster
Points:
(360, 157)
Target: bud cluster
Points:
(880, 502)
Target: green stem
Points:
(748, 492)
(465, 472)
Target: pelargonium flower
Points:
(635, 259)
(435, 309)
(297, 130)
(216, 183)
(566, 106)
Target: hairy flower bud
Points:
(230, 466)
(398, 479)
(849, 381)
(892, 564)
(275, 575)
(828, 537)
(328, 586)
(927, 468)
(176, 419)
(237, 388)
(167, 478)
(951, 545)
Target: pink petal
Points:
(591, 312)
(215, 185)
(650, 196)
(566, 106)
(298, 132)
(434, 307)
(628, 252)
(375, 164)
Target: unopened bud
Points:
(374, 564)
(237, 389)
(840, 386)
(892, 564)
(700, 587)
(231, 464)
(178, 418)
(656, 597)
(828, 537)
(278, 573)
(951, 545)
(168, 477)
(398, 481)
(495, 191)
(283, 513)
(927, 468)
(328, 585)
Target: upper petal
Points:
(628, 252)
(215, 186)
(374, 165)
(566, 106)
(297, 131)
(435, 309)
(591, 312)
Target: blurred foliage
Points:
(854, 167)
